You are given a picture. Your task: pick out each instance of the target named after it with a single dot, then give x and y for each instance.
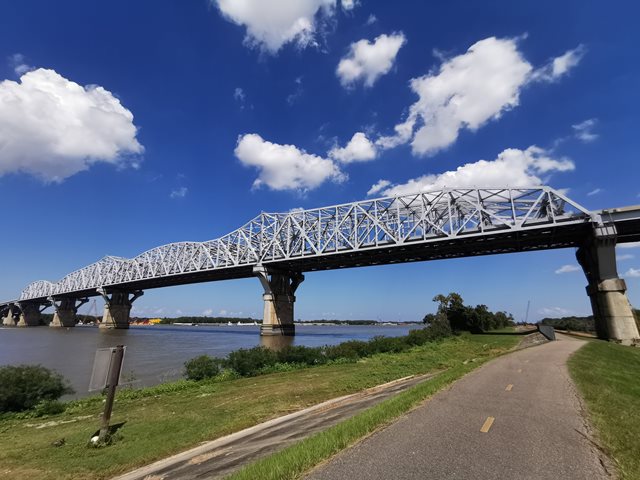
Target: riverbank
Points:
(607, 377)
(167, 419)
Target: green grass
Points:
(170, 418)
(293, 461)
(608, 377)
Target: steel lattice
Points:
(428, 217)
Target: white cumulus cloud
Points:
(378, 187)
(467, 91)
(567, 269)
(285, 167)
(513, 167)
(359, 149)
(368, 61)
(270, 24)
(53, 128)
(626, 256)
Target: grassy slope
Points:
(608, 376)
(161, 425)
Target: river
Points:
(156, 354)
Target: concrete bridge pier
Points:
(29, 314)
(65, 311)
(611, 308)
(117, 307)
(279, 289)
(8, 318)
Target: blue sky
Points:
(136, 124)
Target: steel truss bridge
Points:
(433, 225)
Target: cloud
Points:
(454, 98)
(555, 312)
(179, 192)
(628, 245)
(53, 128)
(378, 187)
(349, 4)
(593, 192)
(513, 167)
(295, 96)
(467, 91)
(584, 130)
(371, 19)
(559, 66)
(285, 167)
(208, 312)
(568, 269)
(238, 95)
(359, 149)
(368, 61)
(626, 256)
(270, 24)
(632, 273)
(19, 65)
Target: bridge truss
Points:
(422, 226)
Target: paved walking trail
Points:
(517, 417)
(220, 457)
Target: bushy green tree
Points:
(458, 316)
(22, 387)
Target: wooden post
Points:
(112, 382)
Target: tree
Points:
(451, 308)
(24, 386)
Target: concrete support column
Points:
(279, 288)
(611, 308)
(29, 314)
(65, 311)
(117, 308)
(8, 318)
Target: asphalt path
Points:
(220, 457)
(517, 417)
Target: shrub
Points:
(249, 362)
(24, 386)
(352, 349)
(202, 367)
(301, 355)
(382, 344)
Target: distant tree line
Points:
(580, 324)
(454, 314)
(575, 324)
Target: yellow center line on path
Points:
(487, 424)
(509, 387)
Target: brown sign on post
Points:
(106, 374)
